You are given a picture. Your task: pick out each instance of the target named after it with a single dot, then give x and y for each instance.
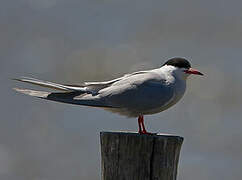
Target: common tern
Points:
(132, 95)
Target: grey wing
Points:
(85, 94)
(138, 94)
(95, 87)
(87, 87)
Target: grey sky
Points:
(62, 40)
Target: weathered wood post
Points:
(131, 156)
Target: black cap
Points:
(178, 62)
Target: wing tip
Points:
(21, 79)
(16, 79)
(18, 90)
(40, 94)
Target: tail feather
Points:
(72, 97)
(73, 94)
(54, 96)
(65, 97)
(40, 94)
(50, 84)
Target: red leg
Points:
(143, 125)
(142, 129)
(139, 123)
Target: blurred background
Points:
(88, 40)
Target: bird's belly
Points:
(140, 103)
(176, 97)
(134, 112)
(161, 108)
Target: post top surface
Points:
(130, 133)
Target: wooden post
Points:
(131, 156)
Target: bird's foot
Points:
(147, 133)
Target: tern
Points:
(132, 95)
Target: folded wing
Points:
(132, 93)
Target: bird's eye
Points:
(186, 71)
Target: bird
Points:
(133, 95)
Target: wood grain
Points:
(131, 156)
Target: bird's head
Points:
(181, 67)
